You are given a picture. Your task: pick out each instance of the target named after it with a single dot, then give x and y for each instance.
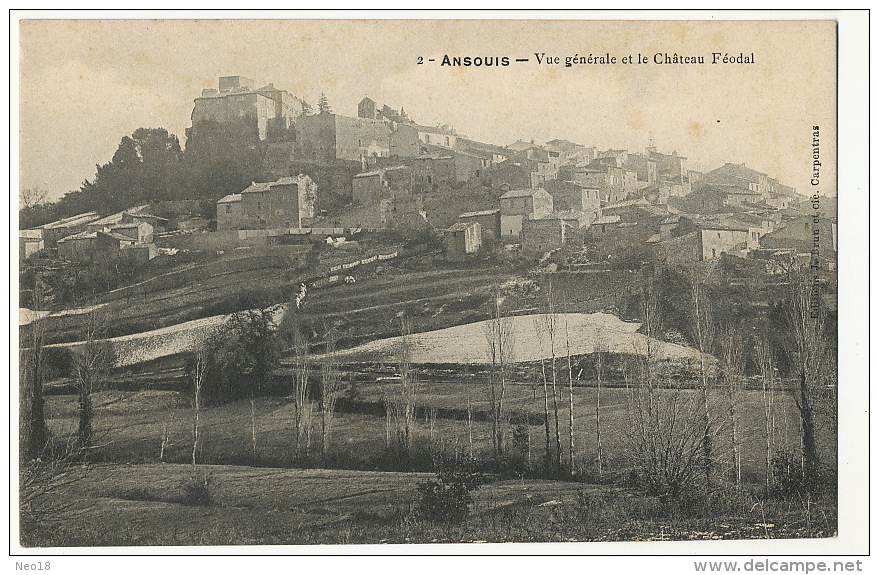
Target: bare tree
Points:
(571, 454)
(666, 433)
(199, 370)
(499, 334)
(43, 485)
(33, 433)
(301, 405)
(549, 458)
(702, 318)
(92, 360)
(765, 365)
(167, 442)
(732, 354)
(549, 327)
(806, 316)
(599, 372)
(330, 386)
(30, 197)
(400, 408)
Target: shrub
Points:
(790, 478)
(447, 498)
(197, 490)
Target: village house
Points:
(489, 220)
(409, 140)
(603, 226)
(545, 171)
(637, 210)
(134, 215)
(544, 235)
(670, 168)
(573, 196)
(738, 176)
(803, 235)
(520, 205)
(573, 152)
(644, 168)
(105, 247)
(462, 239)
(434, 170)
(696, 238)
(494, 155)
(385, 198)
(140, 232)
(368, 188)
(512, 175)
(614, 183)
(286, 203)
(30, 242)
(52, 232)
(528, 149)
(438, 167)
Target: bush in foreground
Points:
(447, 498)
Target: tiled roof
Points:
(118, 237)
(482, 213)
(257, 187)
(79, 236)
(117, 217)
(380, 171)
(230, 199)
(522, 193)
(72, 221)
(606, 220)
(722, 222)
(521, 145)
(628, 203)
(566, 215)
(460, 226)
(737, 171)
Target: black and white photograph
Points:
(363, 281)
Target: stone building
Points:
(285, 203)
(520, 205)
(368, 188)
(490, 220)
(544, 235)
(327, 137)
(462, 239)
(267, 111)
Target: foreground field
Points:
(141, 427)
(131, 505)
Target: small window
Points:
(228, 208)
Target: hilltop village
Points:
(382, 171)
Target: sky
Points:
(84, 84)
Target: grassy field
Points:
(133, 426)
(132, 505)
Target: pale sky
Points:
(85, 84)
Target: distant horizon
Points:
(121, 75)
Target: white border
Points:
(853, 327)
